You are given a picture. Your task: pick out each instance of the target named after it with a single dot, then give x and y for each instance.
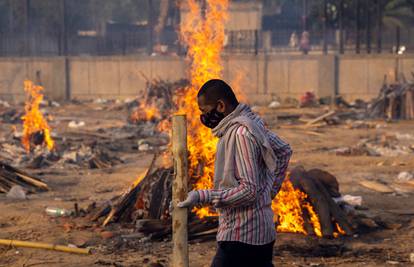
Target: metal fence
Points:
(356, 26)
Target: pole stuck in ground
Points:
(179, 191)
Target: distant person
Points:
(305, 42)
(249, 168)
(294, 40)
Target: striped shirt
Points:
(245, 213)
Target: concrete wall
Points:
(119, 77)
(14, 71)
(259, 79)
(362, 77)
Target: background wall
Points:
(261, 78)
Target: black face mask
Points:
(212, 118)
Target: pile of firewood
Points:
(10, 176)
(395, 101)
(159, 94)
(146, 205)
(321, 187)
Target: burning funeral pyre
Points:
(304, 204)
(36, 130)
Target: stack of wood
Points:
(321, 187)
(159, 94)
(395, 101)
(10, 176)
(146, 205)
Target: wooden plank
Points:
(376, 186)
(320, 118)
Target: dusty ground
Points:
(26, 220)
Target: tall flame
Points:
(203, 32)
(33, 120)
(204, 37)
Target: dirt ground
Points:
(382, 246)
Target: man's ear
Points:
(221, 106)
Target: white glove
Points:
(192, 199)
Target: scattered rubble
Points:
(388, 145)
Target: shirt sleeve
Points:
(283, 153)
(246, 168)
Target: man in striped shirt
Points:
(250, 166)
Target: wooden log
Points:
(20, 177)
(33, 181)
(409, 104)
(326, 209)
(327, 179)
(179, 191)
(337, 214)
(160, 196)
(376, 186)
(305, 183)
(320, 118)
(125, 204)
(391, 108)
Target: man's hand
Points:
(192, 199)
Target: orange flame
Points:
(204, 37)
(145, 113)
(288, 206)
(33, 120)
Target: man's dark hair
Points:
(217, 89)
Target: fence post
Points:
(379, 26)
(358, 27)
(325, 24)
(341, 27)
(368, 32)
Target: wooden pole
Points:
(179, 191)
(27, 244)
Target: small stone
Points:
(16, 192)
(405, 176)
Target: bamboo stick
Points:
(28, 244)
(179, 188)
(32, 181)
